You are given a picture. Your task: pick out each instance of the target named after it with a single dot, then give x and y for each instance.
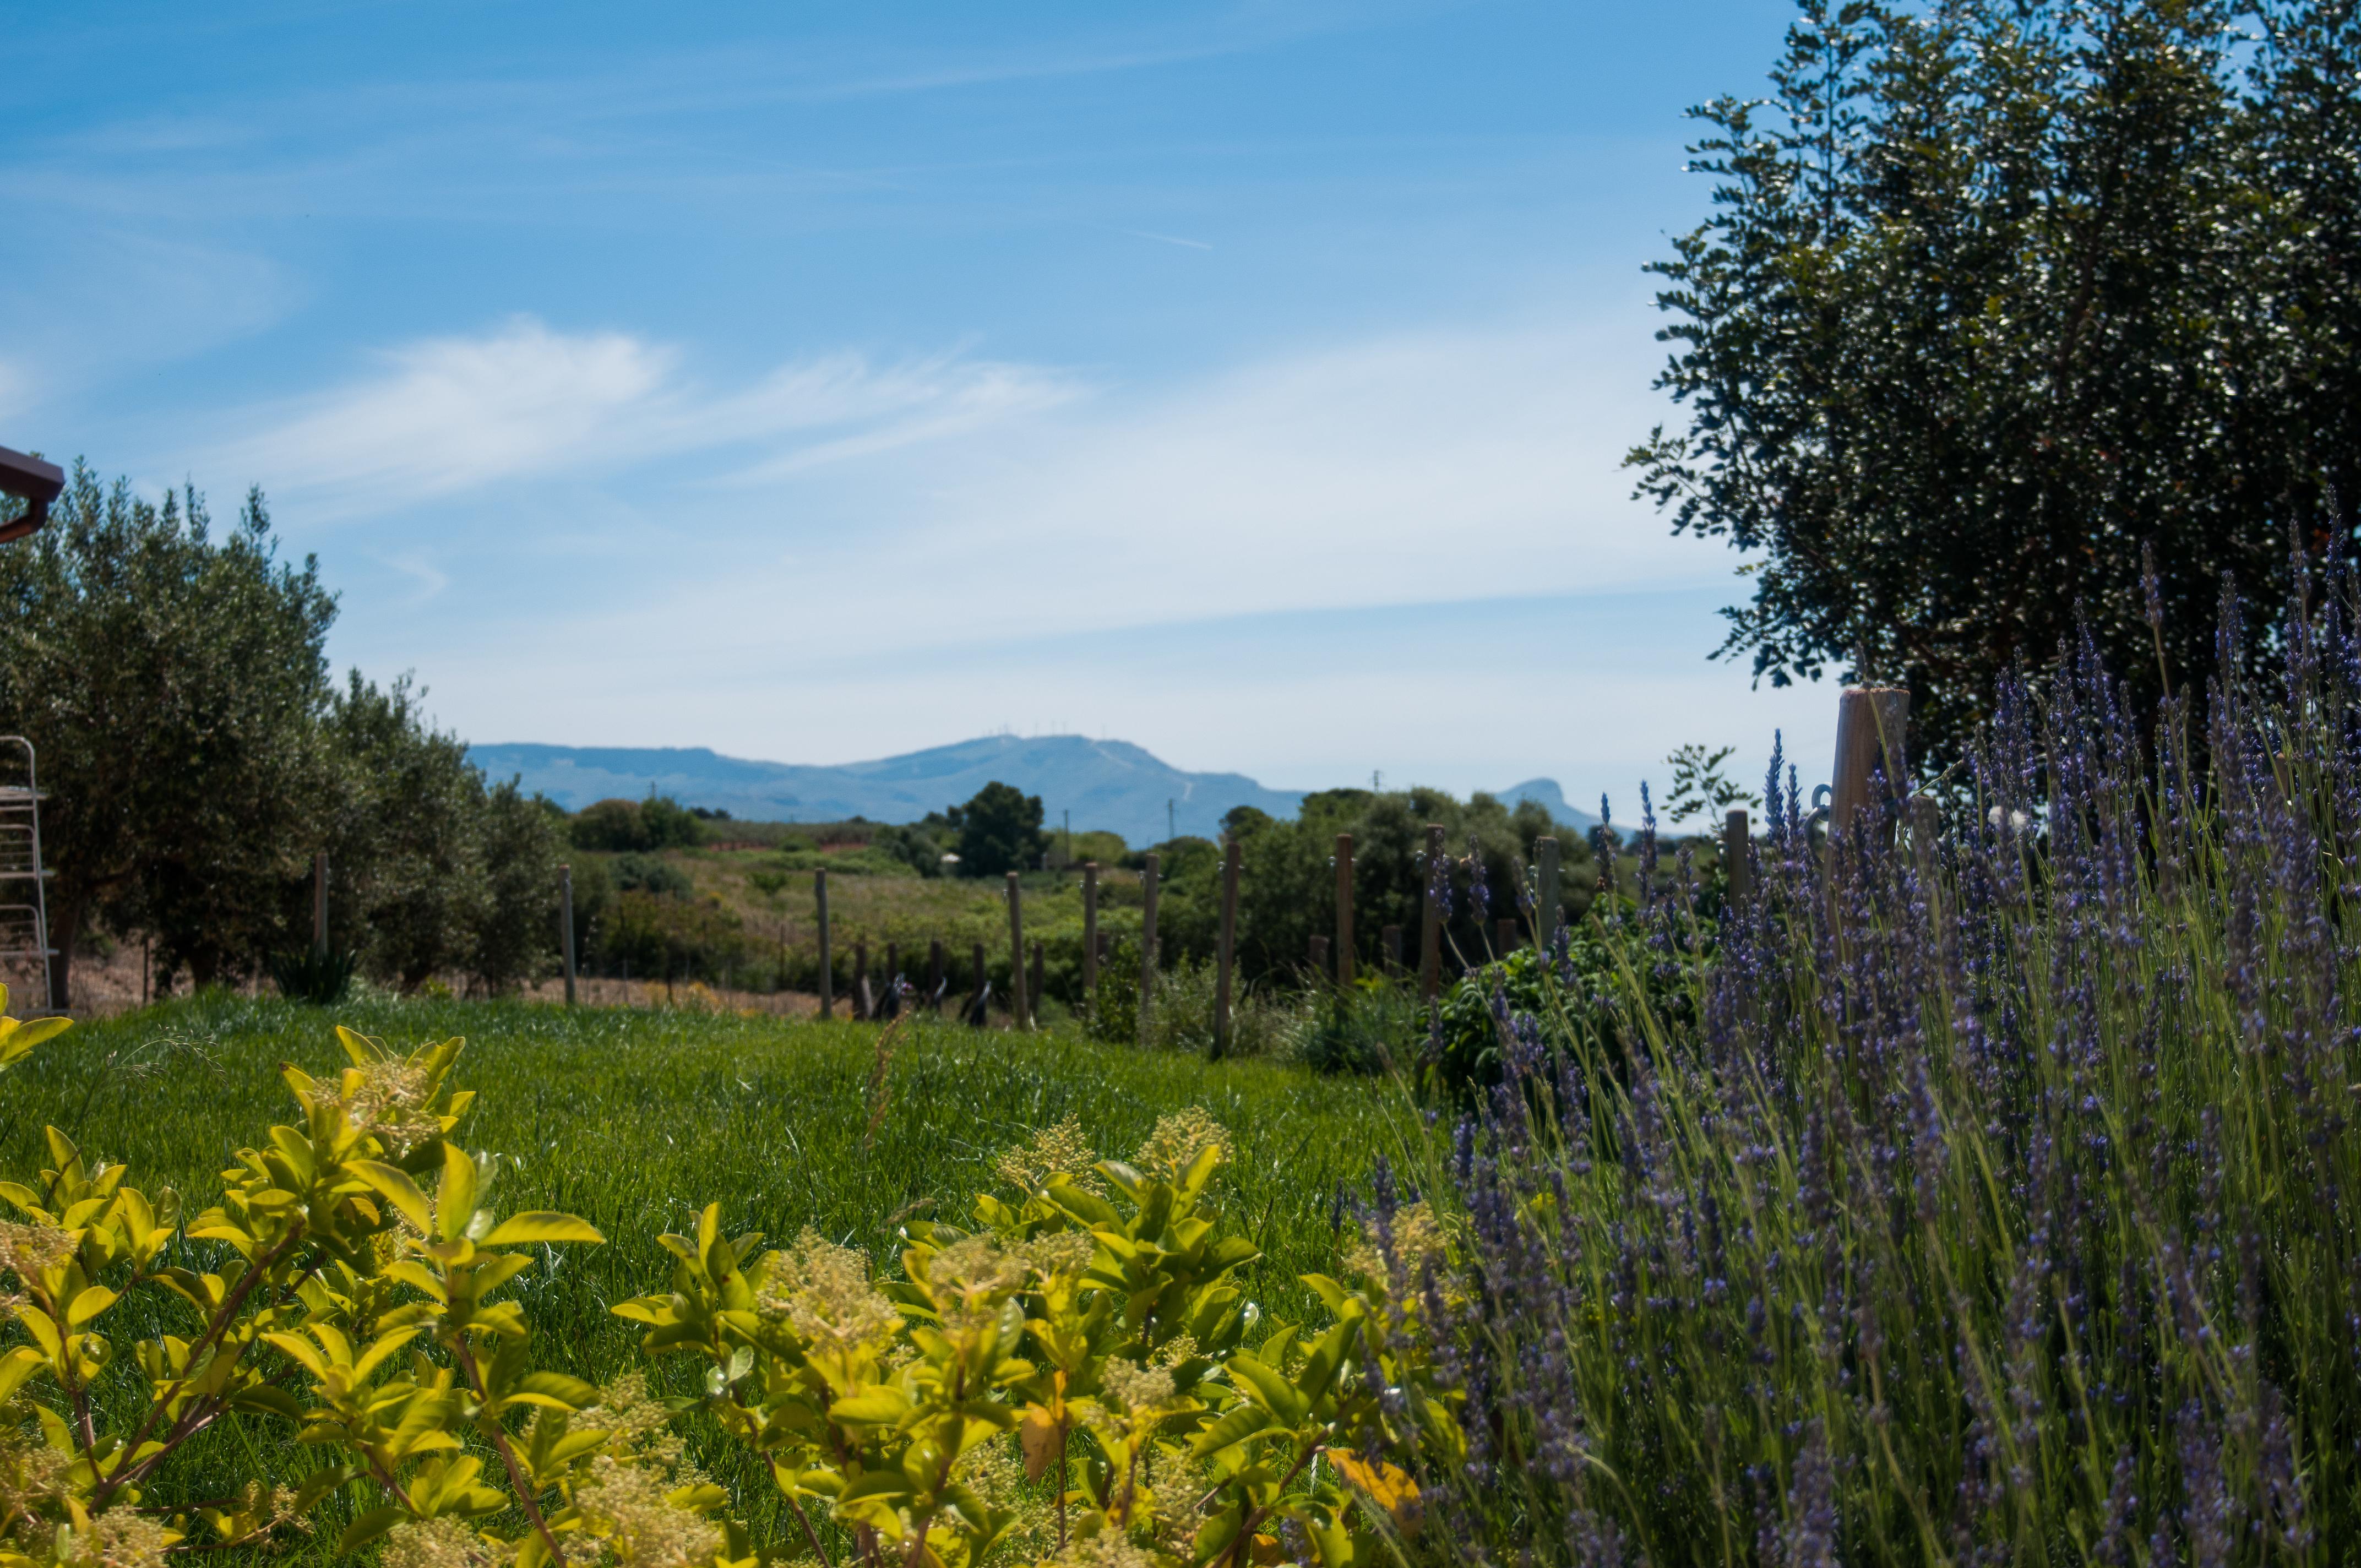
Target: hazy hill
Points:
(1110, 785)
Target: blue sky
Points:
(819, 382)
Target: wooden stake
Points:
(1551, 915)
(1228, 947)
(320, 904)
(1343, 910)
(1090, 932)
(1429, 924)
(1148, 931)
(1017, 1001)
(1871, 724)
(827, 969)
(565, 924)
(1735, 839)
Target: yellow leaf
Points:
(1389, 1488)
(1040, 1433)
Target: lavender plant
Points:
(1992, 1198)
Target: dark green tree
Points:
(404, 853)
(174, 683)
(999, 831)
(1994, 298)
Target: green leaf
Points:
(397, 1190)
(542, 1225)
(368, 1528)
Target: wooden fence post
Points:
(1148, 931)
(1343, 910)
(1228, 947)
(1871, 722)
(1389, 937)
(1735, 839)
(1019, 1005)
(320, 904)
(826, 965)
(1429, 924)
(861, 1004)
(565, 924)
(1550, 911)
(1090, 933)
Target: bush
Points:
(1991, 1195)
(322, 976)
(1088, 1331)
(1375, 1027)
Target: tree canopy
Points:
(1995, 298)
(999, 831)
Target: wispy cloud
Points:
(451, 415)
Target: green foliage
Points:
(174, 682)
(318, 976)
(999, 831)
(431, 870)
(1994, 299)
(375, 1309)
(658, 822)
(1700, 788)
(650, 874)
(1375, 1026)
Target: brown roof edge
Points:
(35, 482)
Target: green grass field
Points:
(634, 1119)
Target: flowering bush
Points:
(1990, 1197)
(1078, 1378)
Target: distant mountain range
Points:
(1108, 784)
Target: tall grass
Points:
(1997, 1198)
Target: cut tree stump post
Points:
(1343, 910)
(1228, 951)
(861, 1004)
(1550, 913)
(1389, 937)
(1148, 931)
(1090, 932)
(1019, 1005)
(565, 925)
(1429, 924)
(827, 976)
(320, 904)
(1871, 722)
(1736, 836)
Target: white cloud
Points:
(1413, 468)
(456, 414)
